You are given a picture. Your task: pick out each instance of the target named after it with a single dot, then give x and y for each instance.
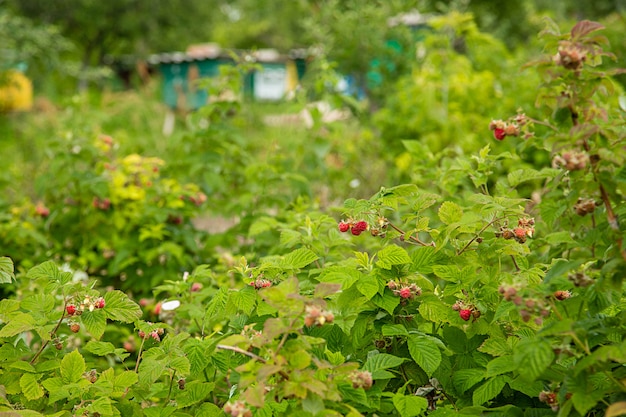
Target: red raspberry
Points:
(75, 327)
(71, 309)
(499, 133)
(562, 295)
(142, 334)
(465, 314)
(196, 286)
(405, 292)
(361, 226)
(355, 231)
(519, 233)
(344, 227)
(100, 303)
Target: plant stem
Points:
(169, 392)
(53, 332)
(411, 238)
(243, 352)
(497, 219)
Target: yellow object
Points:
(292, 76)
(16, 92)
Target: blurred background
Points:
(65, 45)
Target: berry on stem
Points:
(499, 134)
(465, 314)
(344, 227)
(71, 309)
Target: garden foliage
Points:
(490, 284)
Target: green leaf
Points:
(102, 406)
(56, 388)
(125, 379)
(217, 305)
(95, 322)
(450, 212)
(425, 353)
(243, 300)
(72, 367)
(100, 348)
(194, 393)
(180, 365)
(121, 308)
(533, 356)
(394, 330)
(8, 306)
(20, 322)
(423, 258)
(519, 176)
(38, 303)
(47, 270)
(560, 267)
(368, 286)
(340, 275)
(6, 270)
(30, 387)
(496, 346)
(299, 258)
(209, 410)
(489, 390)
(584, 402)
(432, 309)
(464, 379)
(150, 370)
(521, 385)
(23, 366)
(198, 352)
(382, 361)
(48, 365)
(501, 365)
(409, 405)
(387, 301)
(392, 255)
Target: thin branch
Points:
(243, 352)
(497, 219)
(411, 238)
(52, 333)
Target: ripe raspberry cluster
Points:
(355, 227)
(466, 311)
(405, 291)
(525, 228)
(88, 304)
(154, 334)
(511, 127)
(260, 283)
(316, 316)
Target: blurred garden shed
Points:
(276, 77)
